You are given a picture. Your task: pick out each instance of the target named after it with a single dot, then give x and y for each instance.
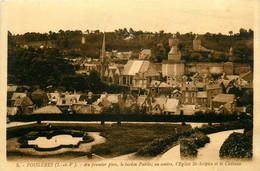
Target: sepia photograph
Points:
(124, 85)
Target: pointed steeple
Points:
(103, 51)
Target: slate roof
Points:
(145, 53)
(161, 101)
(85, 110)
(212, 86)
(224, 98)
(11, 88)
(247, 76)
(136, 66)
(152, 71)
(113, 98)
(48, 110)
(38, 92)
(171, 105)
(164, 85)
(141, 99)
(18, 95)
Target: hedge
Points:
(159, 146)
(237, 145)
(189, 145)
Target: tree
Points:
(230, 33)
(243, 52)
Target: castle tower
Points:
(196, 44)
(174, 54)
(230, 51)
(173, 41)
(83, 40)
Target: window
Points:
(192, 94)
(131, 80)
(124, 80)
(63, 101)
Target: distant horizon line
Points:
(102, 31)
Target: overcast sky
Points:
(198, 16)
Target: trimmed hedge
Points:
(189, 145)
(159, 146)
(213, 128)
(237, 145)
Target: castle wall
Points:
(216, 68)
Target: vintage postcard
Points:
(130, 85)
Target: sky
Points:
(197, 16)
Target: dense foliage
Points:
(189, 145)
(130, 40)
(237, 145)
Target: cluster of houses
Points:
(170, 87)
(192, 94)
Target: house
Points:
(66, 100)
(86, 109)
(39, 98)
(165, 88)
(23, 104)
(124, 55)
(15, 97)
(223, 99)
(51, 109)
(202, 98)
(112, 98)
(188, 109)
(158, 105)
(176, 94)
(145, 54)
(189, 93)
(11, 89)
(154, 86)
(53, 97)
(212, 90)
(171, 107)
(144, 103)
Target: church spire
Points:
(103, 51)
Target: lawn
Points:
(120, 139)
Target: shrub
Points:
(237, 145)
(189, 145)
(213, 128)
(161, 145)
